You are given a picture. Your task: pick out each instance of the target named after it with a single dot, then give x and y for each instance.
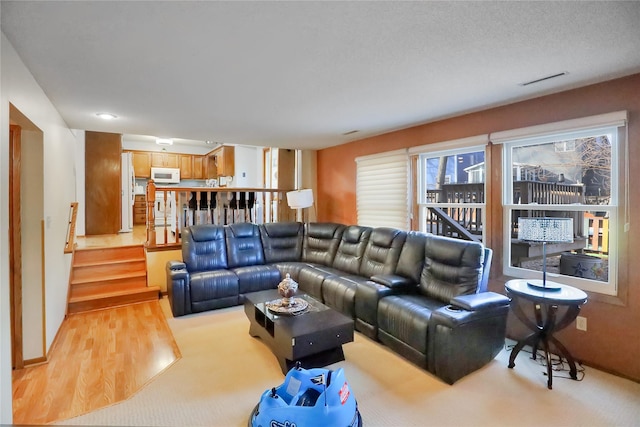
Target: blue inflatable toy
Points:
(308, 398)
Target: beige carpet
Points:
(223, 371)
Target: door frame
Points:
(15, 245)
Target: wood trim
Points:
(15, 245)
(415, 208)
(66, 309)
(36, 361)
(71, 228)
(44, 298)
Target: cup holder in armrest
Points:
(453, 308)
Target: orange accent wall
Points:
(612, 341)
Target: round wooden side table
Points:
(545, 321)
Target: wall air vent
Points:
(564, 73)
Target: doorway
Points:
(26, 241)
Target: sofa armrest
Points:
(176, 265)
(392, 281)
(479, 301)
(178, 288)
(462, 340)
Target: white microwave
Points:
(165, 175)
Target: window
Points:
(451, 188)
(569, 173)
(382, 188)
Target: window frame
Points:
(610, 124)
(449, 148)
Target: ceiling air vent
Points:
(564, 73)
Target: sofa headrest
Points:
(384, 236)
(355, 233)
(206, 232)
(282, 229)
(244, 229)
(323, 230)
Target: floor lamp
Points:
(545, 230)
(300, 199)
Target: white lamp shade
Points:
(554, 230)
(300, 199)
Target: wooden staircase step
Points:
(112, 299)
(95, 255)
(97, 263)
(86, 288)
(99, 272)
(108, 277)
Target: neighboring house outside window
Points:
(570, 170)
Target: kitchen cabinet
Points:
(186, 166)
(139, 210)
(199, 167)
(221, 162)
(141, 164)
(164, 160)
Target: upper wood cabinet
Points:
(221, 162)
(165, 160)
(141, 164)
(186, 166)
(199, 167)
(191, 166)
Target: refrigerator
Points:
(127, 193)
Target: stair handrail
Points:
(462, 232)
(71, 228)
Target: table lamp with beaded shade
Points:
(545, 230)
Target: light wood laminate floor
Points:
(137, 237)
(98, 358)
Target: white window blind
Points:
(382, 189)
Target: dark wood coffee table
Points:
(314, 338)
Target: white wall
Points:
(246, 167)
(20, 88)
(32, 216)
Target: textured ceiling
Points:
(301, 74)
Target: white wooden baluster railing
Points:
(169, 209)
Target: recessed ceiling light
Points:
(164, 141)
(106, 116)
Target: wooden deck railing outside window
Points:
(470, 217)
